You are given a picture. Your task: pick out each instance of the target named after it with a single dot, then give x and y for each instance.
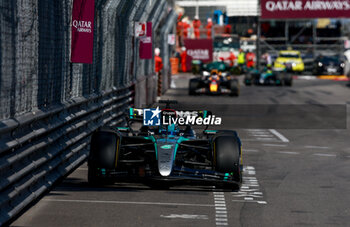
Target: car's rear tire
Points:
(227, 154)
(279, 79)
(288, 80)
(103, 149)
(234, 87)
(193, 86)
(248, 79)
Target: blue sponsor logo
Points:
(151, 117)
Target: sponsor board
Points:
(275, 9)
(198, 49)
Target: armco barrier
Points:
(37, 150)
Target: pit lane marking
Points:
(127, 202)
(279, 135)
(185, 216)
(220, 208)
(249, 191)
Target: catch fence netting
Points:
(35, 40)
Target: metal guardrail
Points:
(38, 149)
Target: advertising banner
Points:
(299, 9)
(146, 43)
(198, 49)
(82, 31)
(140, 29)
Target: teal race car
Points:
(268, 77)
(165, 155)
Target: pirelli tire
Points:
(279, 78)
(103, 150)
(193, 86)
(248, 79)
(234, 87)
(288, 79)
(227, 155)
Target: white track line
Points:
(279, 135)
(126, 202)
(249, 201)
(250, 150)
(325, 155)
(185, 216)
(316, 147)
(275, 145)
(288, 152)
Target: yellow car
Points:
(291, 57)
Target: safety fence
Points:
(49, 106)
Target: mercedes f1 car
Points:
(165, 155)
(214, 83)
(268, 77)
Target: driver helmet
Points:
(172, 130)
(214, 72)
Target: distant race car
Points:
(291, 57)
(165, 155)
(328, 65)
(215, 79)
(268, 77)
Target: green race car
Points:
(165, 154)
(268, 77)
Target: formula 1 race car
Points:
(166, 154)
(268, 77)
(214, 83)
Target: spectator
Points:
(209, 27)
(232, 57)
(158, 60)
(250, 57)
(183, 59)
(185, 27)
(241, 58)
(196, 25)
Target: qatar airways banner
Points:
(198, 49)
(290, 9)
(82, 31)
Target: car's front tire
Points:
(234, 87)
(227, 155)
(288, 80)
(103, 151)
(193, 86)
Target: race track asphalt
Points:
(292, 177)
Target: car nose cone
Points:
(166, 152)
